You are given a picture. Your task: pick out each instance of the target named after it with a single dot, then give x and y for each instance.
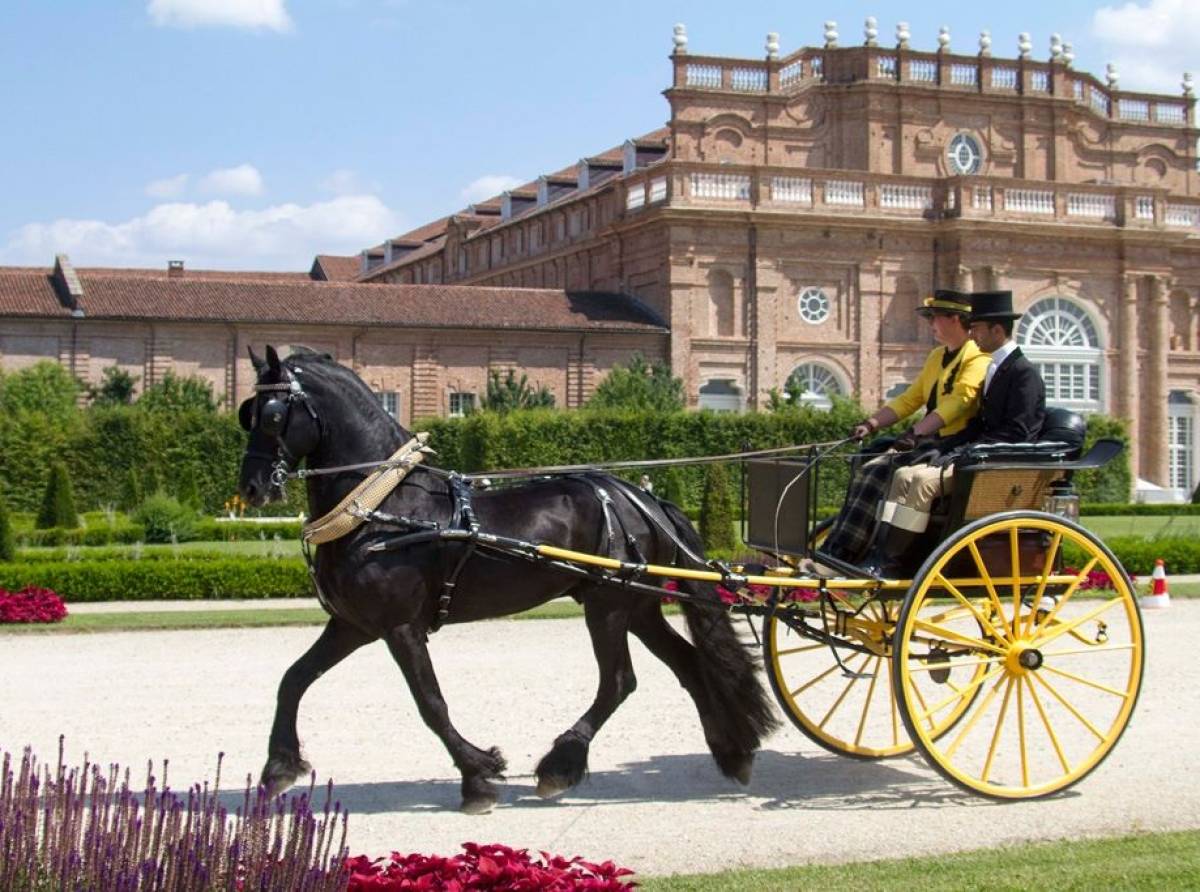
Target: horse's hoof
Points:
(549, 787)
(736, 766)
(478, 805)
(281, 772)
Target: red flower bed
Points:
(31, 605)
(755, 592)
(493, 867)
(1097, 579)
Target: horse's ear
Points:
(255, 360)
(272, 358)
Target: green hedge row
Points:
(123, 580)
(206, 530)
(1137, 555)
(1121, 509)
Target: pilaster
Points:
(1156, 459)
(1129, 405)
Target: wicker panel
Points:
(995, 491)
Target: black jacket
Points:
(1012, 410)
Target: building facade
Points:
(795, 210)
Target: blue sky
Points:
(252, 134)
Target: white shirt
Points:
(997, 358)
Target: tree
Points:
(115, 388)
(131, 491)
(58, 503)
(45, 387)
(178, 393)
(508, 393)
(640, 386)
(716, 509)
(8, 548)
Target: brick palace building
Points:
(785, 222)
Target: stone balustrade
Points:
(679, 184)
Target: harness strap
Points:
(367, 496)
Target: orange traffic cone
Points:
(1158, 597)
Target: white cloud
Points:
(214, 234)
(1152, 43)
(168, 187)
(241, 180)
(346, 182)
(489, 186)
(254, 14)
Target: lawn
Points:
(1149, 527)
(1159, 861)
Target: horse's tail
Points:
(729, 671)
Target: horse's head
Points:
(283, 425)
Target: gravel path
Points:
(654, 800)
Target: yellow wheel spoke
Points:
(987, 580)
(799, 650)
(991, 753)
(804, 687)
(1063, 628)
(846, 690)
(975, 717)
(980, 618)
(1065, 597)
(1051, 553)
(1090, 649)
(1071, 709)
(1085, 681)
(927, 715)
(956, 695)
(895, 708)
(1014, 556)
(862, 719)
(1021, 731)
(1037, 701)
(959, 637)
(929, 667)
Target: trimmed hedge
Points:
(1120, 509)
(206, 529)
(125, 580)
(1137, 555)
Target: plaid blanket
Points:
(855, 524)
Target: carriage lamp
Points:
(1063, 500)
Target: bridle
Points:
(273, 419)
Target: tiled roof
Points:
(107, 294)
(336, 268)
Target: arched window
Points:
(1060, 338)
(721, 395)
(720, 304)
(817, 383)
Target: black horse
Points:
(309, 408)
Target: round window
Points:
(813, 305)
(964, 155)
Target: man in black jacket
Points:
(1012, 410)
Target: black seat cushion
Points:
(1064, 426)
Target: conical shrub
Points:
(716, 510)
(58, 504)
(8, 547)
(131, 491)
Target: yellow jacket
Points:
(957, 404)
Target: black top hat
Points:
(992, 306)
(946, 301)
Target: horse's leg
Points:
(338, 640)
(608, 624)
(661, 639)
(478, 767)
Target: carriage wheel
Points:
(853, 714)
(1061, 661)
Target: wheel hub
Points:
(1023, 658)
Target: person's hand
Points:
(863, 429)
(907, 441)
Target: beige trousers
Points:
(912, 494)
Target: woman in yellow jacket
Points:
(948, 388)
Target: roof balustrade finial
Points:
(1056, 47)
(903, 35)
(680, 38)
(831, 35)
(1068, 54)
(1024, 44)
(985, 42)
(944, 39)
(1189, 88)
(1113, 76)
(871, 31)
(772, 45)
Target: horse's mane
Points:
(353, 389)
